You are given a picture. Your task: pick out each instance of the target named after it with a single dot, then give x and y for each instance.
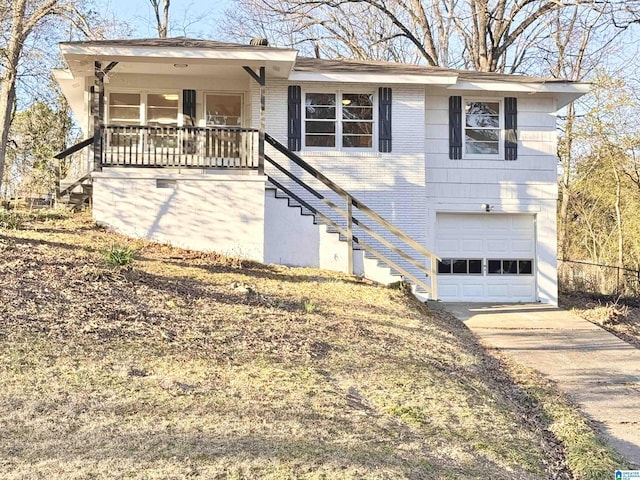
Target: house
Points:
(443, 176)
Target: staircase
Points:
(75, 191)
(371, 239)
(77, 194)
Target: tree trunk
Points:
(621, 283)
(8, 84)
(565, 184)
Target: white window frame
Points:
(144, 102)
(338, 93)
(481, 156)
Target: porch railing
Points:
(184, 147)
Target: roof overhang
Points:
(81, 57)
(74, 90)
(376, 78)
(564, 92)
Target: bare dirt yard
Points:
(178, 364)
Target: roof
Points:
(306, 64)
(174, 42)
(316, 65)
(284, 63)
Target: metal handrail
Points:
(348, 214)
(75, 148)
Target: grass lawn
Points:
(192, 365)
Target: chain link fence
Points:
(580, 276)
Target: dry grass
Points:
(586, 455)
(618, 316)
(192, 365)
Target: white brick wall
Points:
(223, 213)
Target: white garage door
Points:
(486, 257)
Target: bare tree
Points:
(483, 35)
(22, 18)
(161, 12)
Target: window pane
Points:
(124, 99)
(475, 266)
(313, 112)
(482, 109)
(525, 267)
(320, 127)
(472, 135)
(352, 141)
(120, 114)
(485, 148)
(357, 113)
(480, 121)
(444, 266)
(163, 100)
(510, 266)
(357, 99)
(223, 110)
(494, 267)
(320, 140)
(320, 99)
(459, 266)
(162, 109)
(124, 108)
(357, 128)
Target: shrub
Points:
(118, 255)
(10, 219)
(308, 306)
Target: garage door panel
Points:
(472, 246)
(496, 246)
(523, 248)
(472, 290)
(448, 289)
(521, 223)
(449, 248)
(498, 292)
(486, 236)
(522, 290)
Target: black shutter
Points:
(455, 128)
(510, 128)
(295, 119)
(384, 119)
(189, 105)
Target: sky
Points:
(191, 18)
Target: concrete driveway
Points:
(596, 369)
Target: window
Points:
(357, 120)
(223, 110)
(124, 108)
(347, 123)
(320, 120)
(509, 267)
(162, 109)
(482, 127)
(460, 266)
